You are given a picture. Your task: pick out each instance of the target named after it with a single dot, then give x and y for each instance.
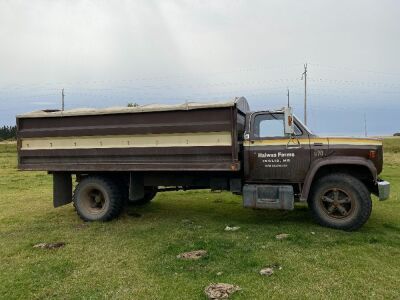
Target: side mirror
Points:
(288, 119)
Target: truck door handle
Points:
(318, 144)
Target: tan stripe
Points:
(352, 141)
(332, 141)
(275, 142)
(130, 141)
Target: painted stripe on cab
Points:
(304, 141)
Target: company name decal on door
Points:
(275, 159)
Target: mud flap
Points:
(268, 196)
(62, 189)
(136, 187)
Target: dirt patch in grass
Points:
(192, 255)
(232, 228)
(282, 236)
(269, 270)
(49, 245)
(220, 290)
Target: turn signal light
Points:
(372, 154)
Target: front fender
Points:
(336, 160)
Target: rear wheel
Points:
(97, 199)
(340, 201)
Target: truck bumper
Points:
(383, 190)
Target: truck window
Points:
(271, 125)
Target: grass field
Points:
(134, 257)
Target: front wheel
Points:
(340, 201)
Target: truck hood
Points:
(359, 147)
(352, 141)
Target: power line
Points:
(358, 83)
(304, 76)
(160, 78)
(62, 100)
(365, 124)
(347, 69)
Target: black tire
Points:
(148, 196)
(340, 201)
(97, 199)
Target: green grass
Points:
(135, 257)
(392, 144)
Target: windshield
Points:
(302, 124)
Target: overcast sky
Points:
(109, 53)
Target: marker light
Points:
(372, 154)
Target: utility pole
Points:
(304, 76)
(365, 124)
(288, 102)
(62, 100)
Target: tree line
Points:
(8, 132)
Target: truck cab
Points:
(284, 162)
(270, 154)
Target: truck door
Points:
(270, 156)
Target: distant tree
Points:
(130, 104)
(396, 134)
(8, 132)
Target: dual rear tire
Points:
(98, 198)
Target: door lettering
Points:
(275, 159)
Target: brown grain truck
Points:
(128, 154)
